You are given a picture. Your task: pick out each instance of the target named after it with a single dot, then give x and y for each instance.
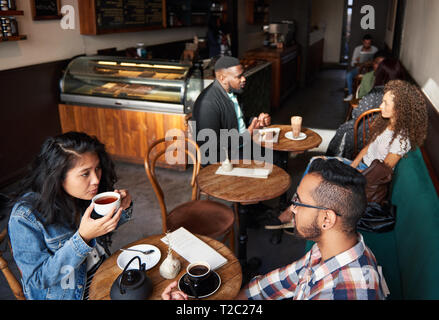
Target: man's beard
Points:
(309, 233)
(236, 90)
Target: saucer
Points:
(289, 135)
(210, 286)
(149, 260)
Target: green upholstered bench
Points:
(409, 254)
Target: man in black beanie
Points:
(217, 107)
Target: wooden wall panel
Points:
(125, 133)
(28, 115)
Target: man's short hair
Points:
(381, 54)
(226, 62)
(342, 190)
(367, 37)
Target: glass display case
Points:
(119, 82)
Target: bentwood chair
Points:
(14, 284)
(365, 119)
(205, 217)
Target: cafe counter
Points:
(129, 103)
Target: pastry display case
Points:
(143, 85)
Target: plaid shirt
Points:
(350, 275)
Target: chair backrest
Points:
(366, 119)
(181, 146)
(14, 284)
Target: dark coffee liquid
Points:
(198, 270)
(105, 200)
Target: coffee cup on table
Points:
(296, 126)
(198, 270)
(196, 273)
(106, 202)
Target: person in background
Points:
(328, 203)
(218, 39)
(56, 242)
(342, 144)
(356, 63)
(402, 127)
(368, 81)
(213, 36)
(217, 106)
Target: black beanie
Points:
(226, 62)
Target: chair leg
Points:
(13, 283)
(232, 239)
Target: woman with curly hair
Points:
(389, 69)
(402, 127)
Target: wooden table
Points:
(285, 145)
(312, 140)
(243, 190)
(230, 273)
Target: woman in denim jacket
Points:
(52, 232)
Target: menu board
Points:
(45, 9)
(118, 14)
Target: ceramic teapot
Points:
(132, 284)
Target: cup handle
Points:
(188, 282)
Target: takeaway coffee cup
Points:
(106, 202)
(296, 126)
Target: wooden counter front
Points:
(125, 133)
(284, 70)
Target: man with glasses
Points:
(329, 201)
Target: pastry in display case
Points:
(118, 82)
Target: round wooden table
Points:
(230, 273)
(243, 190)
(312, 140)
(285, 145)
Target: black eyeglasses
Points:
(295, 202)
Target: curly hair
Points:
(410, 111)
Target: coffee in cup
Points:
(106, 202)
(296, 126)
(198, 270)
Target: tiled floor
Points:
(322, 108)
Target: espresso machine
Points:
(279, 34)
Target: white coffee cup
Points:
(106, 202)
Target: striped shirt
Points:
(350, 275)
(94, 260)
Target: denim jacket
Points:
(51, 258)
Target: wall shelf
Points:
(13, 38)
(12, 13)
(9, 13)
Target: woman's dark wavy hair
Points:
(48, 172)
(389, 69)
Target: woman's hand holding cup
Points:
(90, 228)
(125, 198)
